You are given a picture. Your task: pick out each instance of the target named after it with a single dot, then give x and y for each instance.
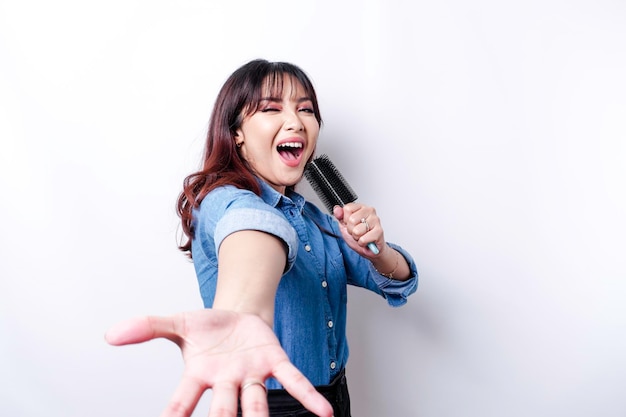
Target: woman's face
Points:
(280, 137)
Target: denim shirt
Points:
(310, 311)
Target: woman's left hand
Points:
(360, 225)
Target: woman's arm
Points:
(232, 345)
(250, 265)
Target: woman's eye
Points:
(307, 110)
(269, 109)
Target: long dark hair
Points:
(221, 163)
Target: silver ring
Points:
(251, 383)
(367, 226)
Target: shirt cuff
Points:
(396, 292)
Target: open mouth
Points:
(290, 151)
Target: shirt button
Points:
(333, 365)
(307, 248)
(324, 284)
(330, 323)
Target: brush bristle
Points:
(328, 183)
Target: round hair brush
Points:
(330, 186)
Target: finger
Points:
(351, 208)
(356, 220)
(185, 398)
(372, 234)
(370, 246)
(364, 228)
(338, 212)
(254, 401)
(349, 215)
(143, 329)
(135, 330)
(301, 389)
(224, 400)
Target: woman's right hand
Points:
(222, 351)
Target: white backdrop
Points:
(491, 136)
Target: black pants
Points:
(282, 404)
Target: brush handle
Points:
(372, 246)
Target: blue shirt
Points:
(310, 311)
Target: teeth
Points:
(291, 145)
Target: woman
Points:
(261, 251)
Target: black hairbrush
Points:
(330, 186)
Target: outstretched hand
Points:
(222, 351)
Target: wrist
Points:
(388, 268)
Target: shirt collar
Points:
(276, 199)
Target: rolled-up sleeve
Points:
(227, 210)
(260, 219)
(396, 292)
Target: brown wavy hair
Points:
(221, 163)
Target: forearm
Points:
(392, 264)
(250, 265)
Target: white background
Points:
(491, 137)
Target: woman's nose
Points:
(293, 122)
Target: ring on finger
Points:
(367, 226)
(251, 383)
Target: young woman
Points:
(261, 252)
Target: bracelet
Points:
(395, 268)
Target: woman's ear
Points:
(238, 136)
